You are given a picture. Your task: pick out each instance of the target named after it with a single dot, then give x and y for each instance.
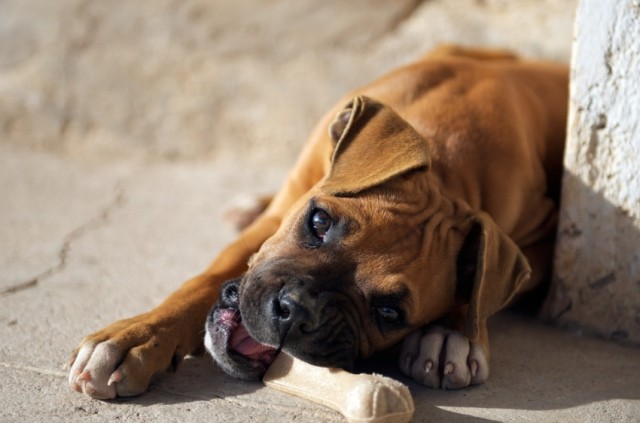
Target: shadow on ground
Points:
(534, 368)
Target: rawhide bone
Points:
(360, 398)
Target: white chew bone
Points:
(360, 398)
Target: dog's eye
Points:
(389, 315)
(320, 223)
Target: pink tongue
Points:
(243, 344)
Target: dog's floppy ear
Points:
(373, 144)
(491, 271)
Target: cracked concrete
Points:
(43, 212)
(101, 219)
(126, 129)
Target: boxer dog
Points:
(422, 204)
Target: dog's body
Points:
(433, 202)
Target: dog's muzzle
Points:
(266, 313)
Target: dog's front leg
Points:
(438, 357)
(120, 359)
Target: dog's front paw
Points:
(441, 358)
(120, 359)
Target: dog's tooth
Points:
(448, 368)
(474, 368)
(428, 365)
(408, 361)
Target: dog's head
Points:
(374, 251)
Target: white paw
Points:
(441, 358)
(120, 360)
(92, 372)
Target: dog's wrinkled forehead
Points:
(373, 145)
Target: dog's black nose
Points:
(291, 313)
(282, 308)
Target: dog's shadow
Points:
(197, 379)
(533, 367)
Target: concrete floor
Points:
(125, 132)
(140, 229)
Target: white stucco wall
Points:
(596, 285)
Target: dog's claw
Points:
(115, 378)
(84, 376)
(448, 369)
(428, 365)
(474, 368)
(73, 375)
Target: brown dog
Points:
(433, 203)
